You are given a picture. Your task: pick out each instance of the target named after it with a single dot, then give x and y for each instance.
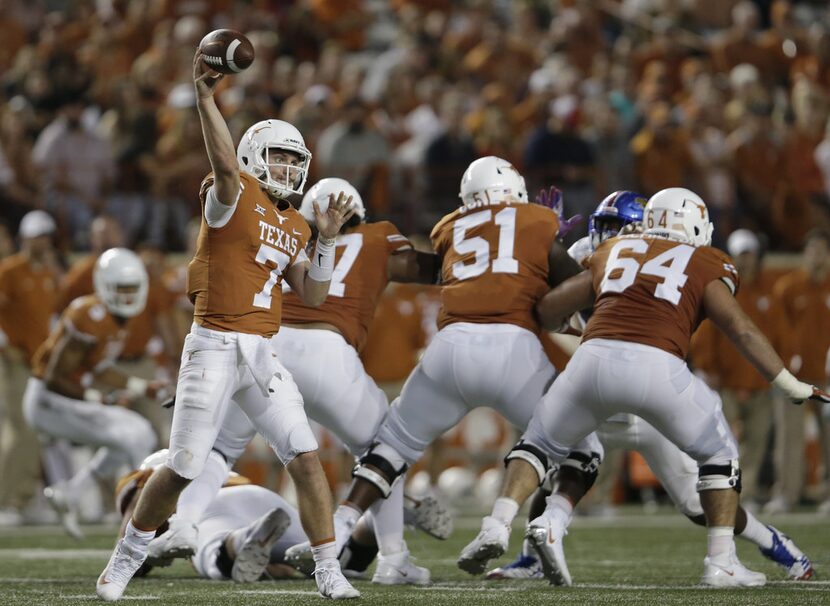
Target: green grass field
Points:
(632, 559)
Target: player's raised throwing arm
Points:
(725, 312)
(218, 140)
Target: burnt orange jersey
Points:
(494, 262)
(86, 319)
(360, 275)
(235, 277)
(27, 302)
(650, 290)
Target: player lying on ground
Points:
(675, 470)
(243, 532)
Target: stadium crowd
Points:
(730, 98)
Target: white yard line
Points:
(53, 554)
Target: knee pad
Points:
(387, 460)
(719, 477)
(532, 455)
(185, 463)
(587, 463)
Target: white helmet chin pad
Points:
(321, 191)
(679, 214)
(254, 150)
(491, 180)
(121, 282)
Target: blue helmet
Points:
(615, 212)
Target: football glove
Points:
(555, 200)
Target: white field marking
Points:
(805, 586)
(668, 519)
(275, 592)
(53, 554)
(87, 597)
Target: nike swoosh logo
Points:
(551, 538)
(729, 572)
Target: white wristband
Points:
(136, 386)
(93, 395)
(322, 261)
(791, 387)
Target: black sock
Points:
(224, 562)
(357, 557)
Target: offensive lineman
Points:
(652, 290)
(674, 469)
(250, 239)
(498, 254)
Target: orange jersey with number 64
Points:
(360, 275)
(235, 277)
(649, 290)
(494, 262)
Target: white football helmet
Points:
(254, 148)
(679, 214)
(116, 269)
(321, 190)
(492, 179)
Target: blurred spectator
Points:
(77, 167)
(352, 150)
(104, 232)
(557, 154)
(662, 157)
(757, 152)
(28, 291)
(804, 300)
(741, 44)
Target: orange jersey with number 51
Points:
(649, 290)
(234, 280)
(495, 263)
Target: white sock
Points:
(560, 509)
(505, 509)
(348, 514)
(527, 549)
(195, 498)
(721, 540)
(136, 538)
(387, 521)
(756, 532)
(324, 553)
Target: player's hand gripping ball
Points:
(227, 51)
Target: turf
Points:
(633, 559)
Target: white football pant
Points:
(606, 377)
(674, 469)
(125, 437)
(214, 377)
(338, 393)
(467, 365)
(236, 507)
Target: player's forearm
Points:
(755, 347)
(314, 292)
(218, 140)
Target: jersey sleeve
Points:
(82, 320)
(717, 265)
(439, 239)
(395, 241)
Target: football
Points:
(227, 51)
